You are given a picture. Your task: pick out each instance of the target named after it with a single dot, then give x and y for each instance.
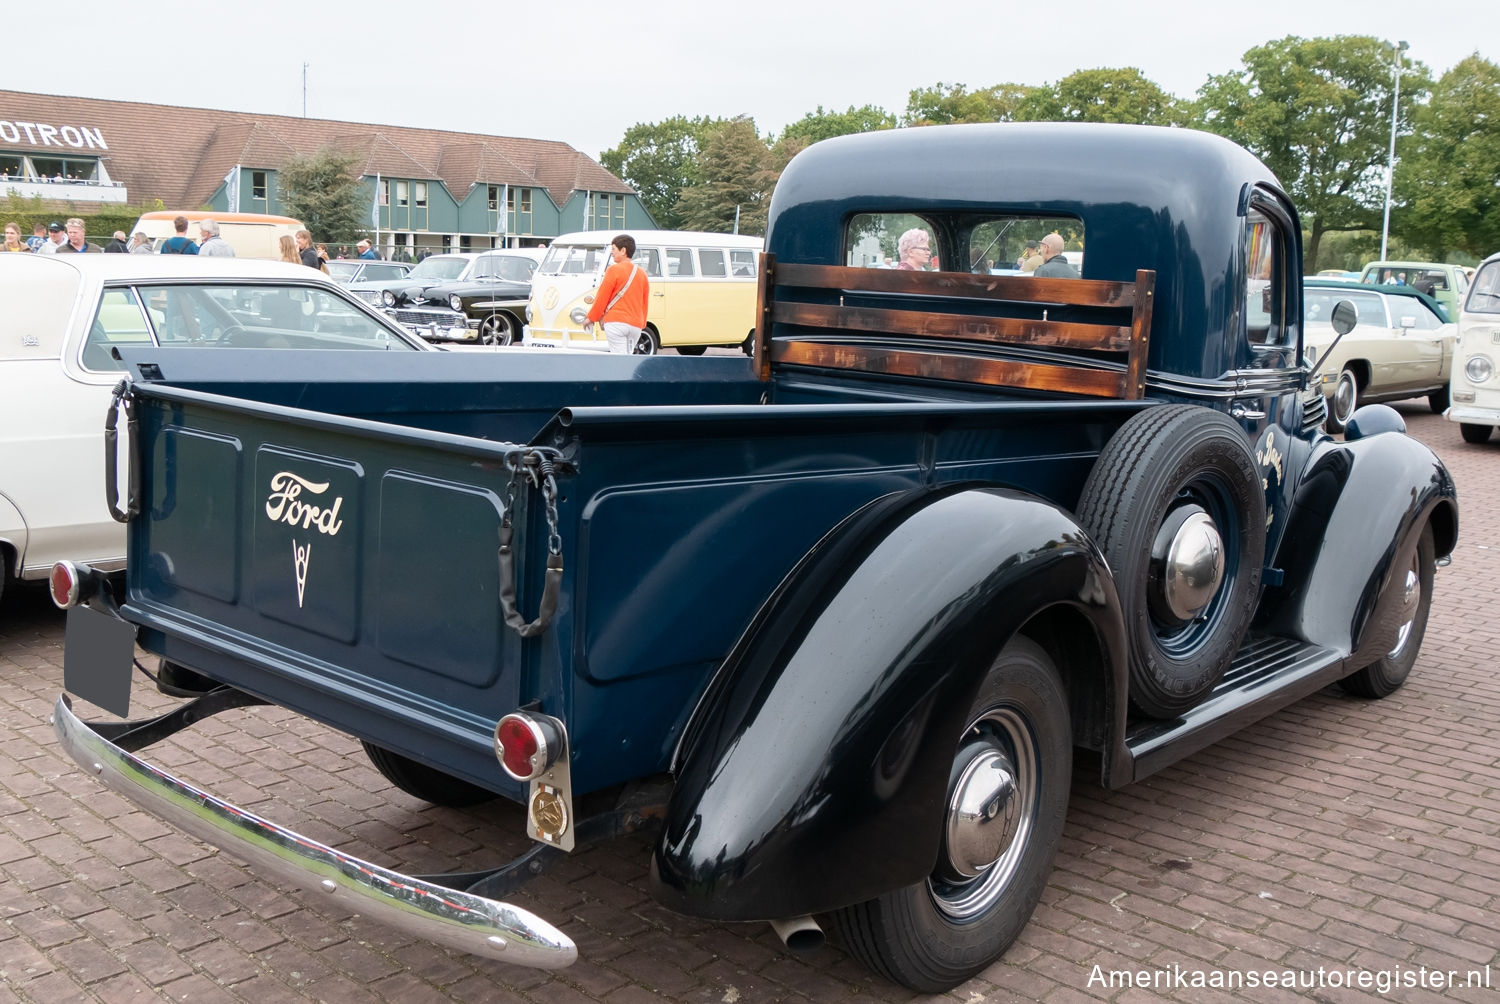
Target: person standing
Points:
(1031, 257)
(13, 240)
(77, 242)
(117, 244)
(55, 238)
(38, 236)
(288, 249)
(1054, 265)
(209, 241)
(620, 305)
(181, 243)
(367, 252)
(140, 243)
(306, 253)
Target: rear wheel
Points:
(1006, 802)
(691, 350)
(1412, 586)
(497, 329)
(1176, 504)
(1475, 433)
(1438, 400)
(648, 344)
(424, 782)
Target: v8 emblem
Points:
(300, 554)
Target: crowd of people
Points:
(71, 238)
(1043, 258)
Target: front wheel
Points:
(691, 350)
(648, 344)
(1345, 400)
(498, 329)
(1475, 433)
(1006, 801)
(1439, 400)
(1412, 586)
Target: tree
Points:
(323, 191)
(1447, 180)
(659, 160)
(1107, 95)
(946, 103)
(1318, 113)
(738, 172)
(826, 124)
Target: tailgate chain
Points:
(532, 465)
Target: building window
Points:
(619, 212)
(57, 169)
(494, 197)
(420, 194)
(401, 196)
(11, 166)
(258, 185)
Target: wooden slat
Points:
(759, 356)
(1140, 330)
(1028, 289)
(950, 366)
(962, 327)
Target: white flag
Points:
(375, 206)
(232, 189)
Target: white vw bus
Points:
(702, 290)
(1475, 387)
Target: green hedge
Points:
(99, 225)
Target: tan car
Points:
(1400, 347)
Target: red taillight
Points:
(521, 746)
(65, 584)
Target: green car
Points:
(1446, 284)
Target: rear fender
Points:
(813, 773)
(1360, 509)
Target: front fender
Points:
(814, 772)
(1359, 509)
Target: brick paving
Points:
(1340, 833)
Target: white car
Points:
(1401, 347)
(63, 317)
(1476, 366)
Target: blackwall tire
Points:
(648, 344)
(691, 350)
(933, 935)
(1475, 433)
(1167, 471)
(1385, 675)
(1439, 400)
(424, 782)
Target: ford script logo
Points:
(286, 505)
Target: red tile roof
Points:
(181, 155)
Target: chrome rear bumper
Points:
(457, 920)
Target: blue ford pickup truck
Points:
(834, 618)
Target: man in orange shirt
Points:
(620, 303)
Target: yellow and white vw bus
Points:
(702, 290)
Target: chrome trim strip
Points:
(457, 920)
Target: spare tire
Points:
(1175, 502)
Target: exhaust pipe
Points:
(800, 934)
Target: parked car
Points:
(486, 307)
(428, 272)
(1445, 283)
(252, 235)
(64, 316)
(1476, 376)
(351, 270)
(1400, 347)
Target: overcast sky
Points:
(585, 71)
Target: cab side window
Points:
(1265, 280)
(118, 322)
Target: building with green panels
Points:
(429, 189)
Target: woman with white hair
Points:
(914, 249)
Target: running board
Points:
(1267, 674)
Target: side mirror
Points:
(1344, 317)
(1408, 322)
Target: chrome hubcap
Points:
(1343, 399)
(1410, 596)
(991, 809)
(983, 813)
(1187, 560)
